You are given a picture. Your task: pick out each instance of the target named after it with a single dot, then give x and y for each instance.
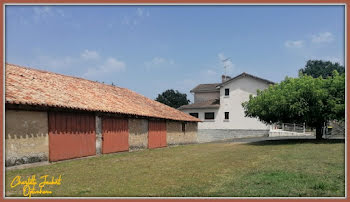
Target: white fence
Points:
(291, 127)
(287, 129)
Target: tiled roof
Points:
(210, 87)
(214, 103)
(244, 75)
(36, 87)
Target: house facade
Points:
(54, 117)
(219, 107)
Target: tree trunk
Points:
(319, 133)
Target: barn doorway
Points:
(71, 135)
(115, 135)
(156, 134)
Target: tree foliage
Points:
(300, 100)
(317, 68)
(173, 98)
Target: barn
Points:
(54, 117)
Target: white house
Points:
(219, 106)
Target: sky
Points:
(150, 49)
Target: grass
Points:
(272, 168)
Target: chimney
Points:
(224, 78)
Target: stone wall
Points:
(212, 135)
(191, 132)
(176, 136)
(26, 137)
(138, 134)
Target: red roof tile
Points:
(36, 87)
(209, 87)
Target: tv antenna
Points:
(225, 65)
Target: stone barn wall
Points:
(138, 134)
(26, 137)
(191, 132)
(176, 135)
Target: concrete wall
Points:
(138, 134)
(240, 89)
(205, 124)
(200, 97)
(212, 135)
(175, 134)
(26, 137)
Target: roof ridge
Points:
(142, 106)
(205, 87)
(64, 75)
(246, 74)
(207, 83)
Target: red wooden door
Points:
(71, 135)
(115, 134)
(156, 134)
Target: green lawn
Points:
(273, 168)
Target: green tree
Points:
(300, 100)
(317, 68)
(173, 98)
